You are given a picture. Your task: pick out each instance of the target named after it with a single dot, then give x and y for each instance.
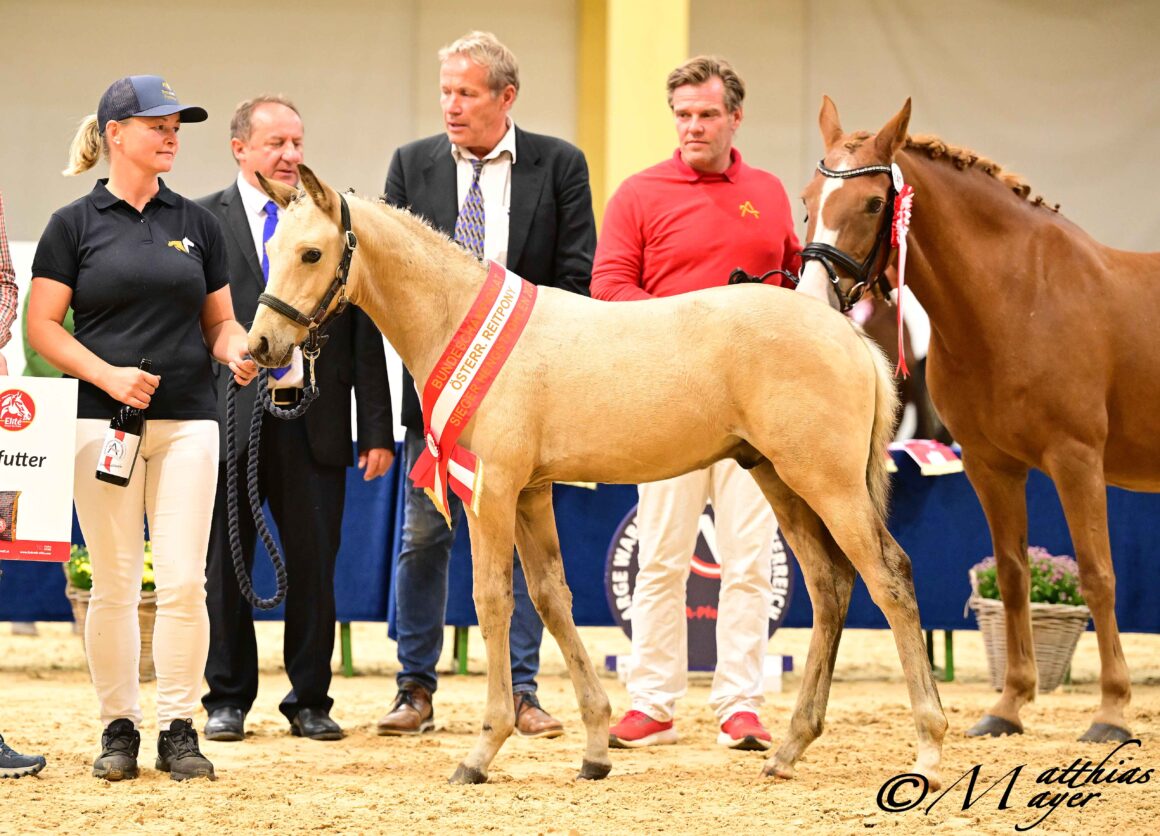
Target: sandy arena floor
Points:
(368, 784)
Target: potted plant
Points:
(1058, 615)
(79, 572)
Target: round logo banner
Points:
(702, 590)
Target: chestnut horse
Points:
(1042, 354)
(628, 392)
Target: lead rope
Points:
(262, 402)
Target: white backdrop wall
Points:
(1065, 92)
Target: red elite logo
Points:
(17, 409)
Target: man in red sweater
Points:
(681, 225)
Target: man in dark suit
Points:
(533, 196)
(303, 461)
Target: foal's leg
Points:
(1078, 472)
(1001, 485)
(884, 566)
(829, 578)
(539, 548)
(492, 536)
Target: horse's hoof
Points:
(1105, 732)
(467, 775)
(992, 726)
(593, 771)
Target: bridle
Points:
(830, 255)
(317, 321)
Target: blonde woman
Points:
(145, 272)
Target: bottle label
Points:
(118, 452)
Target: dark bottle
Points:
(122, 440)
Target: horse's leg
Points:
(492, 540)
(829, 579)
(859, 531)
(1001, 485)
(1078, 473)
(539, 547)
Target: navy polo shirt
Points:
(139, 282)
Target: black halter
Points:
(828, 255)
(318, 320)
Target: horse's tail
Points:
(885, 412)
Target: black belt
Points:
(286, 396)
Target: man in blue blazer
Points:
(533, 193)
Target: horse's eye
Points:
(311, 256)
(874, 205)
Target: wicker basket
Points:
(1055, 631)
(146, 616)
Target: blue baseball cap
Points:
(143, 95)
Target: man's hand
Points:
(375, 462)
(3, 365)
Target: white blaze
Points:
(814, 280)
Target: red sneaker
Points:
(637, 729)
(744, 731)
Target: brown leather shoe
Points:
(412, 712)
(532, 720)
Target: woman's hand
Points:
(240, 364)
(128, 385)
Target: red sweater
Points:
(670, 229)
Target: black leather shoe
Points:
(316, 724)
(225, 724)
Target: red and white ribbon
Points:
(899, 226)
(460, 380)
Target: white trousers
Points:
(173, 485)
(668, 523)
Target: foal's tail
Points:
(885, 412)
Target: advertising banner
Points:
(37, 440)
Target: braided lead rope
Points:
(261, 402)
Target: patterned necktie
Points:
(469, 225)
(267, 233)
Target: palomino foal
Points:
(631, 392)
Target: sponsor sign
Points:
(702, 589)
(37, 440)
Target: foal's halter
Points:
(318, 320)
(828, 255)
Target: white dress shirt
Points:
(495, 181)
(254, 202)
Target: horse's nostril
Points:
(263, 346)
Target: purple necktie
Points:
(469, 226)
(267, 233)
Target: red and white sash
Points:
(459, 382)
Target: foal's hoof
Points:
(772, 769)
(593, 771)
(992, 726)
(1105, 732)
(467, 775)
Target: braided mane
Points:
(961, 158)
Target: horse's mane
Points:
(963, 158)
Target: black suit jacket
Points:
(353, 356)
(552, 232)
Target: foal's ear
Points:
(323, 196)
(278, 191)
(893, 134)
(828, 122)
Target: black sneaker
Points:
(15, 765)
(177, 753)
(119, 745)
